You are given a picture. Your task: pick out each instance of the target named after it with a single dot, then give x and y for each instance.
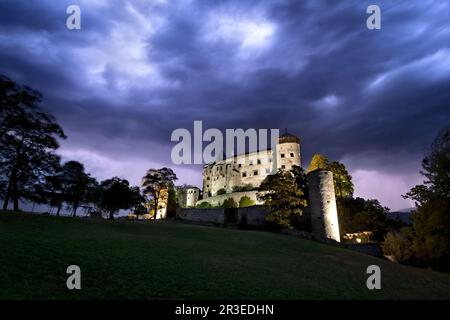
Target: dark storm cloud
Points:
(140, 69)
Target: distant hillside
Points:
(169, 260)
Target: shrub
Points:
(229, 203)
(398, 245)
(245, 201)
(204, 205)
(221, 191)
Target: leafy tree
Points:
(155, 182)
(245, 201)
(398, 245)
(300, 179)
(229, 203)
(318, 161)
(358, 214)
(70, 184)
(431, 220)
(172, 203)
(282, 198)
(343, 185)
(28, 138)
(138, 201)
(116, 195)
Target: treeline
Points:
(30, 170)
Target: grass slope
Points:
(177, 261)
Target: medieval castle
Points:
(241, 175)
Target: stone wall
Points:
(251, 216)
(202, 215)
(218, 200)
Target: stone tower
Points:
(287, 152)
(324, 218)
(192, 196)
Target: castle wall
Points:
(324, 218)
(218, 200)
(251, 216)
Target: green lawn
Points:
(171, 260)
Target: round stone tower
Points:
(287, 152)
(324, 218)
(192, 196)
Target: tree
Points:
(359, 214)
(70, 184)
(300, 179)
(245, 201)
(431, 220)
(318, 161)
(155, 182)
(229, 203)
(282, 198)
(397, 244)
(116, 195)
(343, 185)
(28, 138)
(138, 202)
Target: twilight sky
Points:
(137, 70)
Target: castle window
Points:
(267, 170)
(282, 155)
(270, 160)
(244, 174)
(283, 167)
(259, 161)
(292, 155)
(251, 162)
(255, 173)
(240, 165)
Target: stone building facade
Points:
(250, 169)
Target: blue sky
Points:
(137, 70)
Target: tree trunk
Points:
(59, 209)
(5, 203)
(75, 211)
(111, 216)
(16, 201)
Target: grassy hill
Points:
(171, 260)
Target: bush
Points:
(229, 203)
(247, 187)
(221, 191)
(398, 245)
(245, 201)
(204, 205)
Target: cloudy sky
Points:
(137, 70)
